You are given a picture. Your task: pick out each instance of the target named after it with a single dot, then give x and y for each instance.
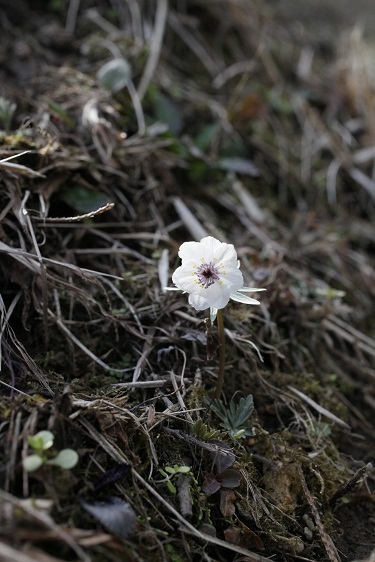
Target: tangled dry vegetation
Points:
(215, 120)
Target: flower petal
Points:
(212, 244)
(218, 251)
(227, 254)
(198, 302)
(189, 250)
(232, 278)
(185, 279)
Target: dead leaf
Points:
(116, 515)
(227, 499)
(244, 537)
(224, 456)
(210, 484)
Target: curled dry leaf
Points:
(116, 515)
(227, 499)
(210, 484)
(244, 537)
(224, 456)
(111, 476)
(230, 478)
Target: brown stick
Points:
(220, 377)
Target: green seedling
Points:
(42, 442)
(7, 110)
(234, 417)
(170, 472)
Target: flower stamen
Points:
(207, 274)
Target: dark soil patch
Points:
(357, 524)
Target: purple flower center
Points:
(207, 274)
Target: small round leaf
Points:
(210, 484)
(171, 487)
(32, 463)
(41, 441)
(184, 469)
(230, 478)
(67, 458)
(115, 74)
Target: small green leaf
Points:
(41, 441)
(170, 469)
(239, 413)
(220, 410)
(115, 74)
(67, 458)
(61, 112)
(203, 431)
(239, 434)
(206, 135)
(32, 463)
(171, 487)
(184, 469)
(235, 415)
(168, 112)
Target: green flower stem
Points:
(220, 377)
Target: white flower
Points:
(210, 274)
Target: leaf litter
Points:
(129, 132)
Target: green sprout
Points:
(7, 110)
(234, 417)
(170, 472)
(42, 442)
